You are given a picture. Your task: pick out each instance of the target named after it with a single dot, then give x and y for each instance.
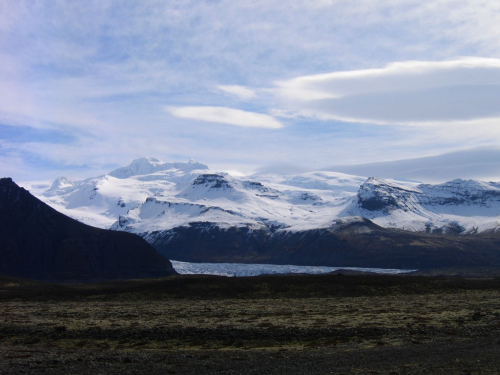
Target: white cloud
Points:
(412, 92)
(103, 71)
(227, 116)
(13, 165)
(240, 91)
(478, 163)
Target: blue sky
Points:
(86, 86)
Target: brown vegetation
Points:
(275, 324)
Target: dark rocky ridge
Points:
(353, 244)
(38, 242)
(214, 181)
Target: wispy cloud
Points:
(411, 92)
(242, 92)
(104, 72)
(229, 116)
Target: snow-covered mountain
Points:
(149, 195)
(461, 206)
(100, 201)
(190, 213)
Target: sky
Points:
(87, 86)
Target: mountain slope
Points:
(349, 242)
(38, 242)
(458, 206)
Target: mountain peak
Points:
(61, 182)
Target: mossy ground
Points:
(229, 323)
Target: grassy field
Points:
(292, 324)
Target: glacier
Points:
(244, 270)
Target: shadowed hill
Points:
(352, 244)
(38, 242)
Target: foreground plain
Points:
(300, 324)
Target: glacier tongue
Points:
(240, 270)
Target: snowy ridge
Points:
(150, 165)
(150, 195)
(456, 206)
(241, 270)
(61, 183)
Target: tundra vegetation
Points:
(296, 324)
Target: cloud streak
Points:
(241, 92)
(228, 116)
(103, 73)
(412, 92)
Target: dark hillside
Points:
(357, 244)
(38, 242)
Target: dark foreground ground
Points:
(325, 324)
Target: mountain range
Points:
(190, 213)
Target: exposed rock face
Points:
(381, 195)
(213, 181)
(40, 243)
(350, 242)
